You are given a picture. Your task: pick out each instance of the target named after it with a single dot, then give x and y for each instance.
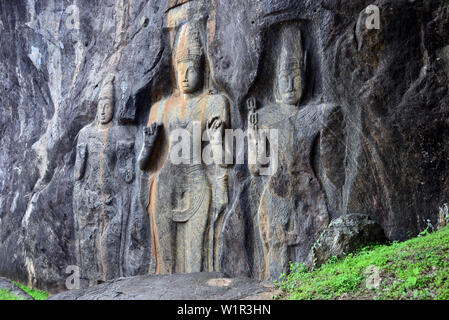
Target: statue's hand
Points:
(215, 130)
(151, 133)
(251, 104)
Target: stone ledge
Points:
(193, 286)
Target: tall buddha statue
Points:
(186, 200)
(104, 169)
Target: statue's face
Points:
(289, 86)
(105, 110)
(189, 77)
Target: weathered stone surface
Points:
(345, 235)
(104, 200)
(368, 132)
(10, 287)
(192, 286)
(287, 202)
(185, 196)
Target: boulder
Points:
(345, 235)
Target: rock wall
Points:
(368, 133)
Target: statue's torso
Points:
(292, 203)
(188, 180)
(181, 202)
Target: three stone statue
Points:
(186, 202)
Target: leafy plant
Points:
(414, 269)
(5, 295)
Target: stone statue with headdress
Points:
(185, 198)
(103, 172)
(286, 197)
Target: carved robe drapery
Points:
(185, 199)
(105, 165)
(292, 210)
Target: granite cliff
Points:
(90, 92)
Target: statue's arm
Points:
(81, 160)
(218, 121)
(150, 136)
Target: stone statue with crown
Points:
(287, 201)
(102, 196)
(186, 199)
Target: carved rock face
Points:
(105, 110)
(366, 157)
(289, 86)
(125, 152)
(189, 76)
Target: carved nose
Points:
(290, 85)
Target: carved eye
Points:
(191, 71)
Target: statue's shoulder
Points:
(320, 114)
(159, 103)
(157, 108)
(86, 132)
(122, 132)
(330, 107)
(217, 98)
(331, 112)
(217, 103)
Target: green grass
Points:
(5, 295)
(36, 294)
(414, 269)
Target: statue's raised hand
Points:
(151, 133)
(215, 130)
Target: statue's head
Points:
(189, 60)
(289, 83)
(290, 77)
(106, 103)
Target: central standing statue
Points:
(185, 201)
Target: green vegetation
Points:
(414, 269)
(36, 294)
(5, 295)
